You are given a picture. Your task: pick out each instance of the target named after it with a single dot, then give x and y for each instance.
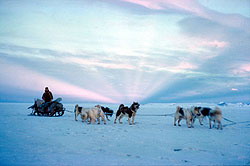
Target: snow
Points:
(153, 140)
(222, 104)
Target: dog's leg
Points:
(98, 120)
(85, 118)
(192, 122)
(200, 120)
(129, 121)
(82, 117)
(188, 123)
(115, 119)
(210, 123)
(76, 115)
(118, 113)
(219, 125)
(120, 118)
(175, 119)
(92, 120)
(179, 121)
(107, 117)
(103, 119)
(133, 118)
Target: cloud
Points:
(96, 63)
(177, 50)
(23, 78)
(188, 5)
(243, 70)
(214, 43)
(115, 60)
(234, 89)
(194, 8)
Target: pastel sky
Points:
(120, 51)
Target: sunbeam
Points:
(126, 50)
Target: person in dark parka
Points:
(47, 95)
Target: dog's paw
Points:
(174, 124)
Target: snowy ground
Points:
(153, 140)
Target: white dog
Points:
(96, 113)
(84, 112)
(183, 113)
(91, 114)
(215, 115)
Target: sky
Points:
(120, 51)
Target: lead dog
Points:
(183, 113)
(125, 111)
(92, 114)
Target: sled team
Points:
(91, 115)
(97, 112)
(189, 114)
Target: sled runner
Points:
(53, 108)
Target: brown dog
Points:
(215, 115)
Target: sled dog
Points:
(83, 112)
(200, 113)
(127, 111)
(107, 111)
(215, 115)
(90, 114)
(183, 113)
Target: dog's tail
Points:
(217, 110)
(180, 110)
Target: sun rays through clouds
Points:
(126, 50)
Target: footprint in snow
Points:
(176, 150)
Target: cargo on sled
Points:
(53, 108)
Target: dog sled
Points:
(53, 108)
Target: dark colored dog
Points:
(125, 111)
(107, 111)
